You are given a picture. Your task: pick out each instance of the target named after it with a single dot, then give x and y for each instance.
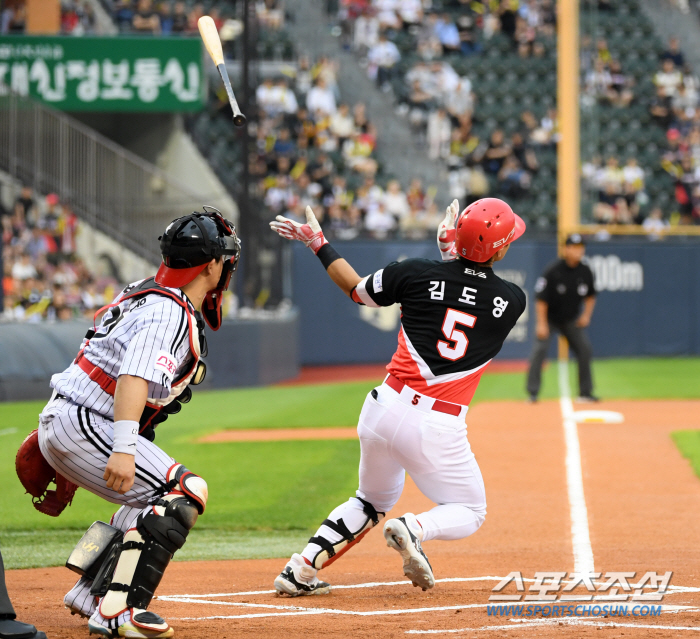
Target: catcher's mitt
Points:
(35, 474)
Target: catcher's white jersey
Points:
(146, 337)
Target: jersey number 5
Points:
(452, 317)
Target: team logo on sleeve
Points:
(378, 282)
(165, 362)
(540, 284)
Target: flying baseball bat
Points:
(210, 35)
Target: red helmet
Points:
(484, 227)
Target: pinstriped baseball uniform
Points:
(146, 337)
(130, 340)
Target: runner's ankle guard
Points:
(331, 551)
(148, 548)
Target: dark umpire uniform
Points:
(561, 290)
(9, 627)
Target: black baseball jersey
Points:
(455, 317)
(563, 288)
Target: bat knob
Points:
(239, 119)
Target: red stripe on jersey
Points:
(459, 391)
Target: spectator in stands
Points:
(379, 222)
(514, 181)
(382, 58)
(448, 34)
(366, 33)
(342, 124)
(14, 17)
(439, 134)
(674, 53)
(619, 92)
(320, 100)
(460, 101)
(146, 19)
(395, 200)
(179, 21)
(655, 224)
(25, 200)
(270, 14)
(661, 108)
(668, 79)
(497, 151)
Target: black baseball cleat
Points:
(587, 399)
(298, 578)
(12, 629)
(533, 398)
(402, 534)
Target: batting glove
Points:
(446, 232)
(309, 233)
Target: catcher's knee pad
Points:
(330, 551)
(148, 548)
(93, 549)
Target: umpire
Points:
(10, 628)
(560, 291)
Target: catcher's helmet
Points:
(189, 244)
(484, 227)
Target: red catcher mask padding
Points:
(485, 227)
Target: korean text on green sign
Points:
(105, 74)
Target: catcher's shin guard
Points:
(148, 548)
(330, 551)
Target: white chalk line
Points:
(534, 623)
(295, 611)
(369, 584)
(380, 584)
(581, 540)
(8, 431)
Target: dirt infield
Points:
(643, 504)
(368, 372)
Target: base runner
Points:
(97, 430)
(456, 314)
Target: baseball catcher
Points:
(456, 314)
(133, 370)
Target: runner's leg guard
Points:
(335, 537)
(160, 530)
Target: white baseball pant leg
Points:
(396, 437)
(77, 443)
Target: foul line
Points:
(8, 431)
(583, 553)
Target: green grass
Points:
(688, 442)
(266, 497)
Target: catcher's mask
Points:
(188, 245)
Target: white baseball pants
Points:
(398, 436)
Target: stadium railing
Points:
(108, 187)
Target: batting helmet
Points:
(484, 227)
(189, 244)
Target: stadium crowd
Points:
(43, 280)
(313, 149)
(77, 17)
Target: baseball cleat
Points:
(140, 624)
(403, 535)
(298, 578)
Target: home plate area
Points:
(457, 606)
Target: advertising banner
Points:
(135, 74)
(648, 300)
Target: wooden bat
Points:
(210, 36)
